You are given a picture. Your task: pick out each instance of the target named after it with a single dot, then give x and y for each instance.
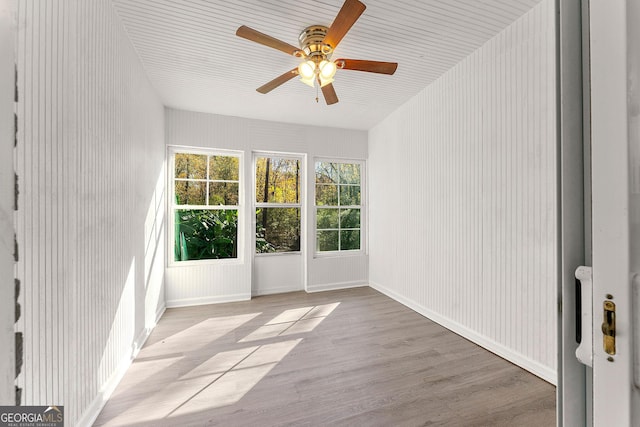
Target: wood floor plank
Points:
(350, 357)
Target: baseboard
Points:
(524, 362)
(272, 291)
(159, 312)
(188, 302)
(91, 413)
(336, 286)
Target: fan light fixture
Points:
(310, 72)
(316, 66)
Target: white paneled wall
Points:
(7, 232)
(463, 212)
(89, 157)
(222, 282)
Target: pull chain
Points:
(317, 92)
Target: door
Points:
(279, 194)
(600, 185)
(615, 208)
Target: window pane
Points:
(349, 173)
(277, 180)
(205, 234)
(191, 193)
(327, 218)
(192, 166)
(349, 218)
(277, 230)
(349, 195)
(326, 195)
(223, 193)
(327, 241)
(349, 240)
(261, 174)
(326, 173)
(224, 168)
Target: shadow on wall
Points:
(127, 332)
(154, 253)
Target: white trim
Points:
(269, 254)
(336, 286)
(279, 290)
(171, 151)
(340, 254)
(302, 159)
(362, 207)
(207, 261)
(189, 302)
(279, 154)
(278, 205)
(614, 213)
(339, 160)
(544, 372)
(159, 313)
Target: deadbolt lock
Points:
(609, 327)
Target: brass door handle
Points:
(609, 327)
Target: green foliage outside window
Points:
(282, 231)
(206, 189)
(206, 234)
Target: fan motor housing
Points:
(311, 42)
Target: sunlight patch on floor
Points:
(234, 384)
(224, 378)
(198, 335)
(294, 321)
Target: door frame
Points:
(573, 218)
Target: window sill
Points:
(268, 254)
(206, 262)
(339, 254)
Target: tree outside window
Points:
(338, 206)
(278, 204)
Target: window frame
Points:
(172, 206)
(361, 206)
(300, 205)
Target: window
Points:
(278, 204)
(338, 206)
(206, 189)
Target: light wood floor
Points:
(352, 357)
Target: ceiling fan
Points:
(317, 44)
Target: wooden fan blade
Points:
(268, 87)
(329, 94)
(258, 37)
(348, 15)
(368, 66)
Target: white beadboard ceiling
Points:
(196, 62)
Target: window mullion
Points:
(208, 176)
(339, 224)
